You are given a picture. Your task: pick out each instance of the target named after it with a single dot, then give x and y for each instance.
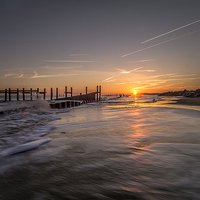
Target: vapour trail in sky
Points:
(159, 43)
(170, 31)
(72, 61)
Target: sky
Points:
(122, 45)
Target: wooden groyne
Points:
(66, 101)
(9, 92)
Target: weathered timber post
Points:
(5, 94)
(71, 91)
(97, 92)
(56, 93)
(44, 93)
(86, 95)
(23, 94)
(51, 93)
(65, 91)
(17, 94)
(37, 93)
(9, 93)
(31, 92)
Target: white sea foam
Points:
(24, 147)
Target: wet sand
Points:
(189, 101)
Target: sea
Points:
(137, 147)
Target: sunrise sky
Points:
(122, 45)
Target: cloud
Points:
(171, 31)
(121, 83)
(109, 79)
(50, 76)
(7, 75)
(141, 61)
(128, 72)
(20, 76)
(166, 78)
(159, 44)
(80, 54)
(69, 61)
(146, 70)
(14, 75)
(47, 67)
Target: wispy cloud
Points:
(7, 75)
(146, 70)
(166, 79)
(14, 75)
(110, 79)
(171, 31)
(122, 71)
(127, 72)
(141, 61)
(74, 67)
(159, 44)
(50, 76)
(80, 54)
(121, 83)
(69, 61)
(20, 76)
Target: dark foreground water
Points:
(117, 149)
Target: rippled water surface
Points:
(124, 148)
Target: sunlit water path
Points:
(123, 148)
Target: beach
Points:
(114, 149)
(189, 101)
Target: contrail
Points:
(72, 61)
(159, 44)
(171, 31)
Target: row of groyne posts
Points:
(66, 101)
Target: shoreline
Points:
(189, 101)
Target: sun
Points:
(134, 93)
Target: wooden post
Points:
(65, 91)
(5, 94)
(97, 92)
(51, 93)
(56, 93)
(23, 94)
(37, 93)
(44, 93)
(31, 92)
(17, 94)
(86, 95)
(9, 94)
(71, 91)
